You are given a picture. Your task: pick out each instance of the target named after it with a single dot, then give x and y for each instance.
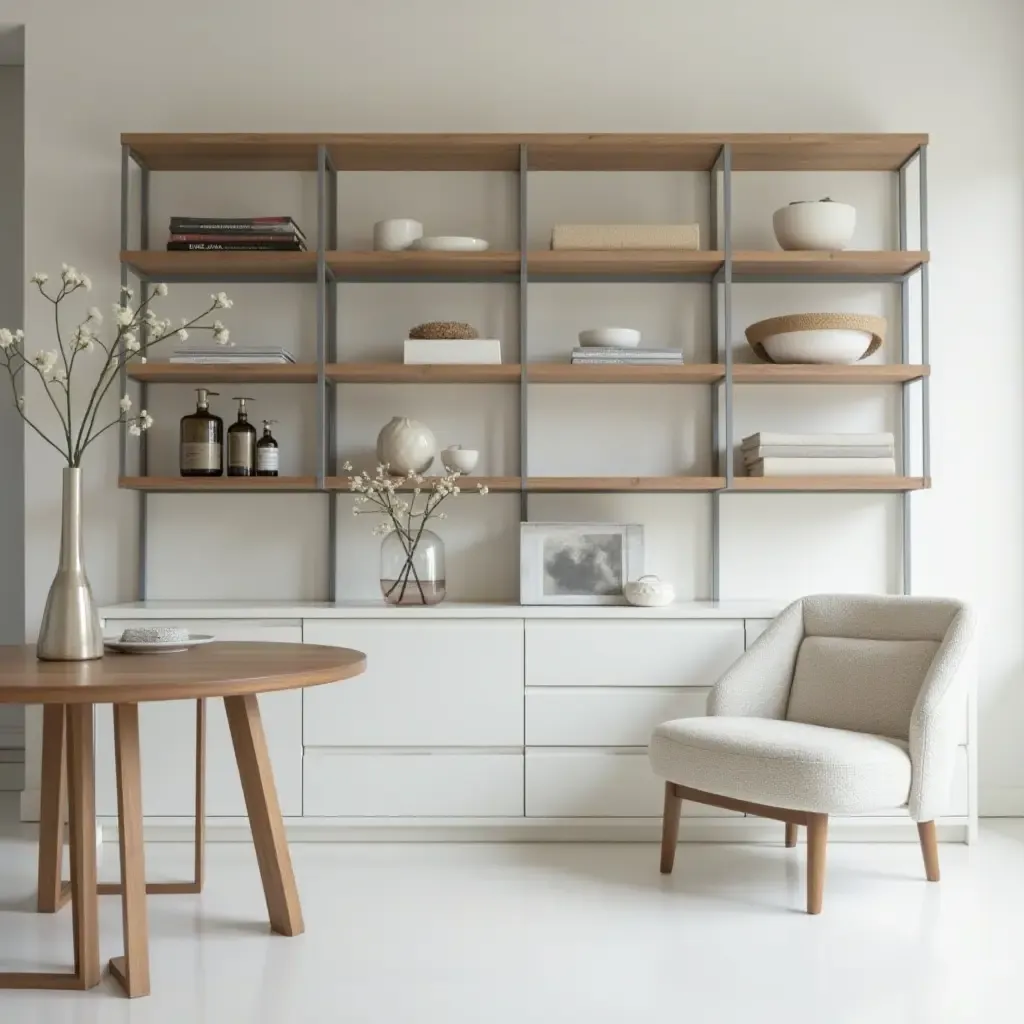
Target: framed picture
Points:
(578, 563)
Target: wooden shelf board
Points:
(500, 152)
(507, 484)
(827, 264)
(369, 264)
(399, 373)
(830, 483)
(213, 484)
(622, 484)
(223, 373)
(624, 262)
(858, 373)
(159, 265)
(562, 373)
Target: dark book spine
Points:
(235, 238)
(252, 224)
(234, 247)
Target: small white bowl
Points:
(610, 337)
(457, 459)
(823, 346)
(820, 225)
(396, 234)
(649, 592)
(451, 243)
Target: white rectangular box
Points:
(419, 351)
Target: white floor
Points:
(541, 933)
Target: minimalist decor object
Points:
(167, 646)
(816, 337)
(846, 704)
(443, 330)
(819, 225)
(649, 592)
(770, 454)
(70, 627)
(396, 234)
(246, 234)
(457, 459)
(412, 569)
(452, 351)
(406, 446)
(626, 236)
(450, 243)
(609, 337)
(578, 563)
(595, 356)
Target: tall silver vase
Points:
(70, 630)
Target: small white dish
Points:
(610, 337)
(158, 647)
(830, 346)
(451, 243)
(649, 592)
(457, 459)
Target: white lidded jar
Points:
(821, 225)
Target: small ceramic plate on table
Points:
(156, 647)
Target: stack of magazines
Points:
(219, 354)
(246, 234)
(767, 454)
(627, 356)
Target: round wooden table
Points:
(237, 672)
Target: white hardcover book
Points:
(823, 467)
(838, 440)
(227, 360)
(482, 351)
(818, 451)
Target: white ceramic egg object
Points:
(406, 446)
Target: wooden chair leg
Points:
(792, 831)
(817, 842)
(51, 894)
(82, 821)
(132, 969)
(930, 849)
(670, 828)
(265, 820)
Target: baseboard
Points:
(545, 830)
(1001, 802)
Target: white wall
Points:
(946, 68)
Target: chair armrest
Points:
(757, 685)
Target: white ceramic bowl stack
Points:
(820, 225)
(610, 337)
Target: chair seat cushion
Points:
(784, 764)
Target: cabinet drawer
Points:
(427, 684)
(441, 784)
(598, 784)
(578, 653)
(606, 717)
(168, 738)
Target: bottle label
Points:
(239, 450)
(200, 455)
(267, 460)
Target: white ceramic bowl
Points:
(459, 459)
(610, 337)
(821, 225)
(649, 592)
(823, 346)
(396, 234)
(451, 243)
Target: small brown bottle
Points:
(242, 443)
(268, 454)
(201, 440)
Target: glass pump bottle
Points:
(242, 443)
(201, 439)
(268, 453)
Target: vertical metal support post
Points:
(122, 431)
(716, 397)
(321, 316)
(906, 546)
(332, 393)
(926, 408)
(144, 292)
(727, 309)
(524, 391)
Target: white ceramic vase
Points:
(406, 446)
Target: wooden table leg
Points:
(265, 820)
(51, 893)
(132, 969)
(82, 820)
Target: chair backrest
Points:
(863, 660)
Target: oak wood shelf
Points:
(622, 484)
(218, 484)
(400, 373)
(866, 263)
(223, 373)
(563, 373)
(500, 152)
(160, 265)
(831, 483)
(506, 484)
(857, 373)
(370, 264)
(669, 263)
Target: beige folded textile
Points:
(626, 236)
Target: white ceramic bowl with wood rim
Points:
(830, 338)
(818, 225)
(609, 337)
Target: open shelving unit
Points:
(722, 268)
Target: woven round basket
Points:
(874, 325)
(444, 330)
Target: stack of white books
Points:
(449, 352)
(627, 356)
(220, 354)
(767, 454)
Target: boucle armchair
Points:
(845, 704)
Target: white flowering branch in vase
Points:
(70, 629)
(412, 556)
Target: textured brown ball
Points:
(448, 330)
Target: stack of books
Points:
(452, 351)
(246, 234)
(767, 454)
(627, 356)
(218, 354)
